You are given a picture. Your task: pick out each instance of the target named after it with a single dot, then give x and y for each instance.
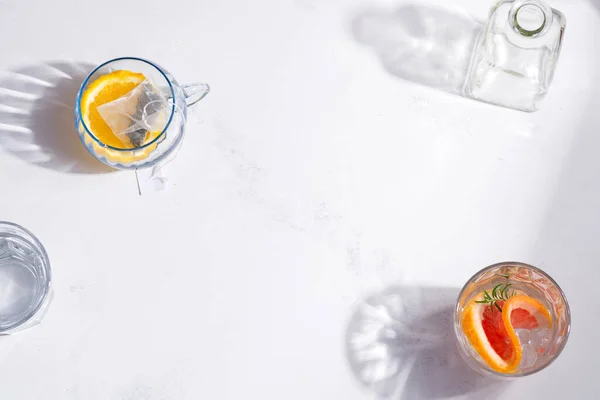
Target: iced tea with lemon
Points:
(511, 319)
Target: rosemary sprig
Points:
(500, 292)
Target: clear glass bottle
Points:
(516, 54)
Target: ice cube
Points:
(529, 356)
(524, 336)
(540, 339)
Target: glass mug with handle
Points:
(120, 78)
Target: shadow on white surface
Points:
(421, 43)
(36, 116)
(401, 345)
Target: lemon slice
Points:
(103, 90)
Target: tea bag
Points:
(136, 115)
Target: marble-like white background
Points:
(321, 186)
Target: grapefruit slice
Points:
(524, 312)
(492, 333)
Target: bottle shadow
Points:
(400, 344)
(420, 43)
(36, 116)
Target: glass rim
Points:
(542, 6)
(46, 260)
(84, 84)
(458, 332)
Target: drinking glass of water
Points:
(24, 277)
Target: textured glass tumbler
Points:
(533, 282)
(516, 54)
(24, 278)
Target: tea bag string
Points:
(155, 109)
(157, 176)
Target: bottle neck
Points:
(530, 18)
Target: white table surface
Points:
(312, 181)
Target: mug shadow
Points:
(400, 344)
(424, 44)
(36, 116)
